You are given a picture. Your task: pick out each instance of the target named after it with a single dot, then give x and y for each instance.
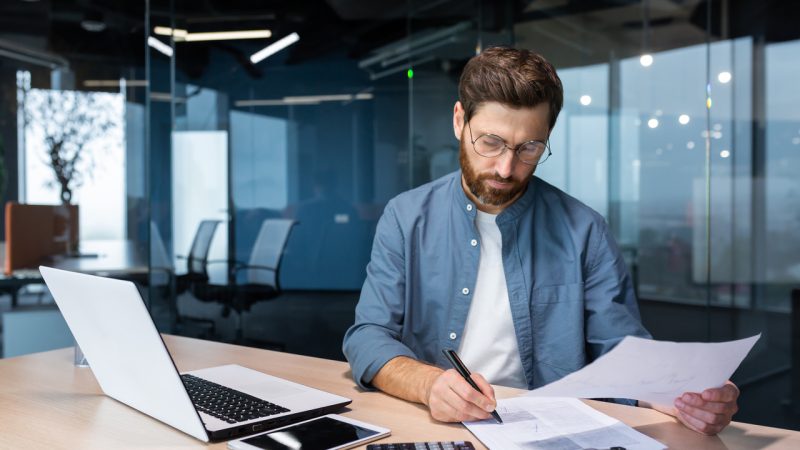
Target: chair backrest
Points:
(267, 252)
(35, 232)
(201, 244)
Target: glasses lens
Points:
(489, 145)
(531, 152)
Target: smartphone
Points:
(331, 432)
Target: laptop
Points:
(127, 355)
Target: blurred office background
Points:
(191, 159)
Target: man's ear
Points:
(458, 119)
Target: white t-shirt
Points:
(489, 343)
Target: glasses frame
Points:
(516, 149)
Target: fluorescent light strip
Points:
(275, 47)
(228, 35)
(166, 31)
(184, 36)
(165, 97)
(305, 100)
(114, 83)
(160, 46)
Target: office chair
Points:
(196, 275)
(255, 281)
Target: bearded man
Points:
(525, 282)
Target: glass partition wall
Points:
(679, 126)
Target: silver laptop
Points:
(131, 363)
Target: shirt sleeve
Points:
(611, 309)
(375, 337)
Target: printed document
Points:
(653, 371)
(531, 423)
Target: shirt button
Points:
(473, 242)
(452, 336)
(465, 291)
(469, 207)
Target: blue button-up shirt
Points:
(571, 296)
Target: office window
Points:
(86, 130)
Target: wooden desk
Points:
(45, 402)
(114, 258)
(111, 258)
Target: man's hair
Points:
(513, 77)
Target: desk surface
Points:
(101, 257)
(45, 402)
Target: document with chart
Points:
(653, 371)
(533, 423)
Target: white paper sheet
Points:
(653, 371)
(531, 423)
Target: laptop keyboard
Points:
(225, 403)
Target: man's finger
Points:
(696, 424)
(698, 401)
(726, 393)
(715, 407)
(707, 417)
(446, 406)
(459, 400)
(468, 393)
(485, 387)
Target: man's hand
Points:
(448, 396)
(451, 399)
(708, 412)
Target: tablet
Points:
(331, 432)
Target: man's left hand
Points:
(710, 411)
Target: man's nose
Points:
(504, 164)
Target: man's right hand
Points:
(451, 399)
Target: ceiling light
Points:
(683, 119)
(724, 77)
(690, 145)
(166, 31)
(275, 47)
(93, 21)
(305, 100)
(646, 60)
(652, 123)
(115, 83)
(586, 100)
(228, 35)
(725, 153)
(160, 46)
(184, 36)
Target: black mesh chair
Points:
(254, 281)
(196, 275)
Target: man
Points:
(524, 281)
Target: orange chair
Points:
(36, 232)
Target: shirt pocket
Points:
(558, 326)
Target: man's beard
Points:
(477, 186)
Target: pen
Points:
(452, 356)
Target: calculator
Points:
(444, 445)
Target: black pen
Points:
(452, 356)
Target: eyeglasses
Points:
(491, 146)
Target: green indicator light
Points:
(410, 73)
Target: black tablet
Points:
(331, 432)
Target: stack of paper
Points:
(551, 417)
(556, 423)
